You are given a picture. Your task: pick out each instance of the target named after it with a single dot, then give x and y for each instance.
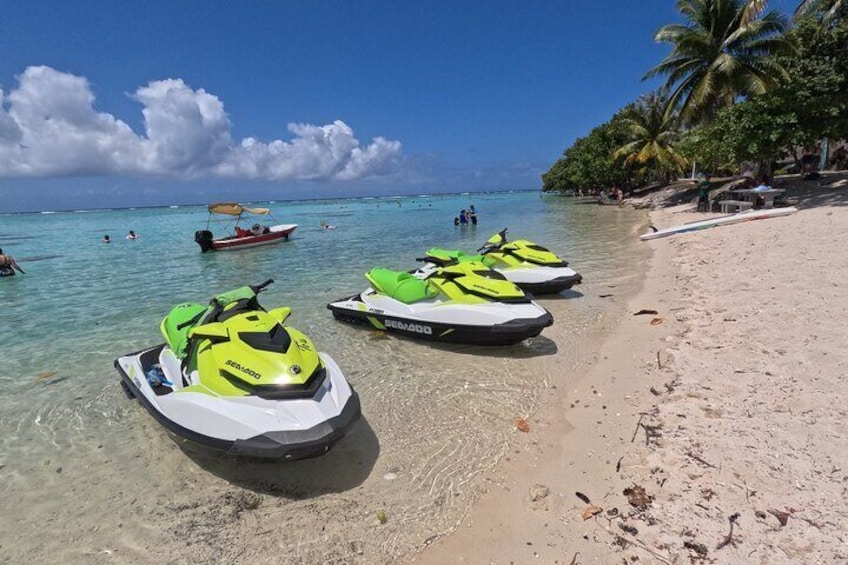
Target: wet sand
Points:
(728, 411)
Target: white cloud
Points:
(49, 127)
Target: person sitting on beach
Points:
(132, 235)
(764, 184)
(8, 265)
(106, 239)
(839, 159)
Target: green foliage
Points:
(722, 52)
(650, 135)
(827, 10)
(710, 70)
(818, 90)
(812, 105)
(589, 162)
(748, 131)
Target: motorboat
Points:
(238, 236)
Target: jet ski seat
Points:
(400, 285)
(179, 322)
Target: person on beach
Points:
(764, 184)
(106, 239)
(704, 194)
(762, 187)
(8, 265)
(132, 235)
(839, 159)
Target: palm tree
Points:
(720, 53)
(829, 9)
(651, 134)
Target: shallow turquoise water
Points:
(437, 417)
(83, 302)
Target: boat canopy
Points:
(235, 209)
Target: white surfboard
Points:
(720, 221)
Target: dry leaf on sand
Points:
(657, 321)
(637, 497)
(591, 510)
(522, 425)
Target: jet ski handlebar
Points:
(487, 247)
(260, 287)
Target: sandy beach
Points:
(709, 431)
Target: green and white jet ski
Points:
(532, 267)
(232, 377)
(462, 303)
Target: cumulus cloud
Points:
(49, 127)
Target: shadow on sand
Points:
(830, 189)
(569, 294)
(342, 468)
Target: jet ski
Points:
(233, 378)
(532, 267)
(462, 303)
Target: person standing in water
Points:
(472, 214)
(132, 235)
(8, 265)
(106, 239)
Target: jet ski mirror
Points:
(213, 330)
(280, 314)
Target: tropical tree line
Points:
(742, 84)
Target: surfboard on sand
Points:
(720, 221)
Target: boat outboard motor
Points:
(203, 238)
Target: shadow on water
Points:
(539, 346)
(344, 467)
(39, 258)
(10, 238)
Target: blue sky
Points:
(163, 102)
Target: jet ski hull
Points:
(536, 279)
(247, 426)
(507, 332)
(552, 286)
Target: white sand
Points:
(746, 414)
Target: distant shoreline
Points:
(275, 201)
